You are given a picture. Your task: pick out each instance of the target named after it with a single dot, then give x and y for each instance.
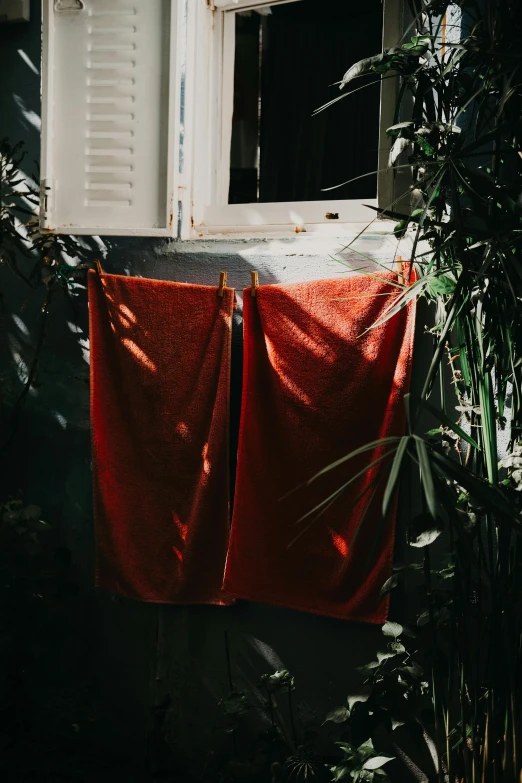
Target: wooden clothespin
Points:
(222, 283)
(400, 270)
(98, 266)
(255, 282)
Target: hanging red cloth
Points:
(160, 379)
(318, 383)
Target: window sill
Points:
(287, 217)
(304, 232)
(289, 257)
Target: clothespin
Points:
(255, 282)
(222, 283)
(400, 270)
(98, 266)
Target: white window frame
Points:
(208, 129)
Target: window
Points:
(271, 65)
(285, 58)
(194, 117)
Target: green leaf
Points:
(448, 324)
(334, 495)
(366, 749)
(393, 129)
(481, 491)
(348, 750)
(447, 421)
(423, 618)
(32, 512)
(368, 667)
(489, 435)
(392, 629)
(425, 145)
(423, 39)
(400, 228)
(441, 285)
(394, 474)
(414, 671)
(410, 293)
(368, 65)
(426, 476)
(279, 680)
(367, 447)
(423, 530)
(339, 715)
(377, 761)
(341, 772)
(484, 140)
(389, 585)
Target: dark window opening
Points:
(286, 64)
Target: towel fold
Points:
(317, 386)
(160, 375)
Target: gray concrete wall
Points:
(133, 654)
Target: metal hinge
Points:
(45, 203)
(69, 5)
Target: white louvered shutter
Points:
(110, 120)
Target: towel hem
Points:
(172, 602)
(377, 620)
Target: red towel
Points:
(160, 375)
(316, 386)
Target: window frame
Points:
(209, 91)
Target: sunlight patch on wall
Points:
(31, 117)
(20, 324)
(101, 244)
(22, 370)
(22, 230)
(62, 421)
(267, 653)
(27, 60)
